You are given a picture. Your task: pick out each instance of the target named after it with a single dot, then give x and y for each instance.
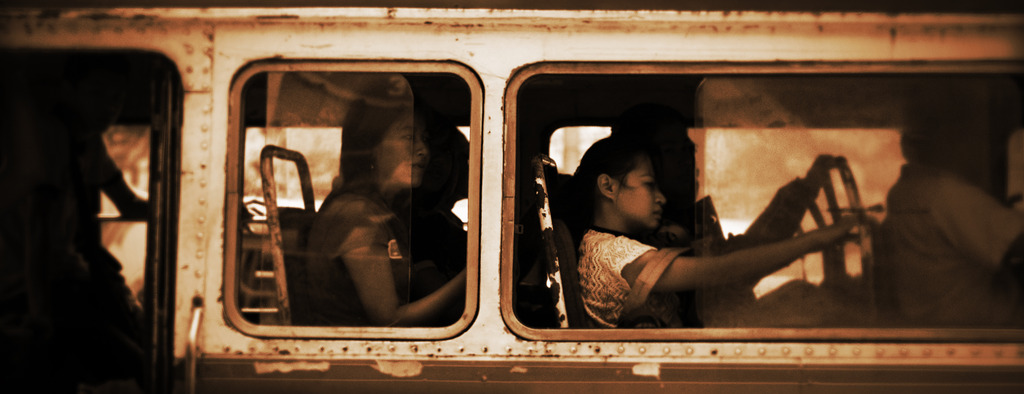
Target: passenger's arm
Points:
(371, 272)
(688, 273)
(427, 309)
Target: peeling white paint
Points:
(518, 369)
(286, 367)
(648, 369)
(399, 369)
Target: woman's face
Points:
(639, 200)
(402, 156)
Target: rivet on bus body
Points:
(809, 351)
(642, 350)
(202, 183)
(206, 70)
(738, 351)
(879, 351)
(597, 349)
(297, 350)
(621, 349)
(201, 219)
(208, 51)
(322, 349)
(439, 349)
(975, 352)
(508, 349)
(200, 235)
(904, 351)
(207, 108)
(832, 351)
(762, 351)
(227, 349)
(462, 349)
(414, 348)
(999, 352)
(927, 352)
(189, 49)
(204, 145)
(202, 201)
(572, 349)
(951, 351)
(188, 69)
(666, 350)
(391, 348)
(344, 348)
(689, 350)
(856, 351)
(204, 127)
(198, 274)
(785, 350)
(530, 349)
(199, 255)
(483, 349)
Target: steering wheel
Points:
(820, 176)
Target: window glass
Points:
(748, 167)
(349, 182)
(125, 236)
(569, 143)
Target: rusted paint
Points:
(276, 17)
(648, 369)
(264, 367)
(399, 369)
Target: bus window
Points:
(349, 180)
(569, 143)
(920, 160)
(83, 222)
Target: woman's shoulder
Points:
(602, 243)
(351, 204)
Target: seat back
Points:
(286, 226)
(560, 254)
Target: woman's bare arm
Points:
(688, 273)
(371, 273)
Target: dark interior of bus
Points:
(141, 142)
(732, 112)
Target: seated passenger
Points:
(619, 200)
(950, 248)
(664, 132)
(360, 263)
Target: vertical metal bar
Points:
(274, 227)
(554, 280)
(192, 349)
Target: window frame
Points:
(511, 188)
(234, 191)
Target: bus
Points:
(233, 128)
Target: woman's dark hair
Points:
(641, 121)
(576, 201)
